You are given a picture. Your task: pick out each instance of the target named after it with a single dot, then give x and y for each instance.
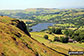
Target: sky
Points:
(24, 4)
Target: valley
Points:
(41, 32)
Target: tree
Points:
(46, 36)
(56, 30)
(78, 35)
(56, 38)
(82, 40)
(66, 32)
(81, 35)
(64, 40)
(77, 38)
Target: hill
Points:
(24, 14)
(15, 41)
(39, 15)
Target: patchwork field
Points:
(58, 46)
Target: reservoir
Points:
(41, 26)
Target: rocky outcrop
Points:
(21, 25)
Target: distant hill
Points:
(27, 12)
(46, 14)
(34, 9)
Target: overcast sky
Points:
(24, 4)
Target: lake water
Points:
(41, 26)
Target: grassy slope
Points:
(61, 47)
(41, 34)
(14, 42)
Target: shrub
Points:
(77, 38)
(50, 32)
(78, 35)
(57, 30)
(56, 38)
(46, 36)
(68, 32)
(64, 40)
(82, 40)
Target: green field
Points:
(58, 46)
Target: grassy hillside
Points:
(58, 46)
(14, 41)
